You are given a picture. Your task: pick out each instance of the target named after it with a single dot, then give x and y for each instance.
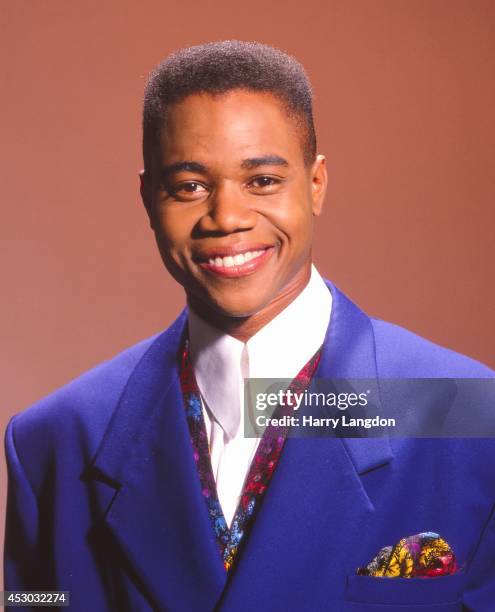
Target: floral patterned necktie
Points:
(261, 469)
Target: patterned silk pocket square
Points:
(423, 555)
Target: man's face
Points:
(231, 200)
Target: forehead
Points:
(226, 128)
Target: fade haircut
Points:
(220, 67)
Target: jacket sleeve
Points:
(21, 559)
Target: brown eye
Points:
(191, 187)
(188, 190)
(265, 184)
(263, 181)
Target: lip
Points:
(245, 269)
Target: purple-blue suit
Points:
(105, 500)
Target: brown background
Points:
(404, 106)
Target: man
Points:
(134, 488)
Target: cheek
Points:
(172, 231)
(171, 240)
(294, 219)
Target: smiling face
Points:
(231, 202)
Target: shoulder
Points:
(62, 432)
(79, 412)
(400, 352)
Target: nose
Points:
(229, 211)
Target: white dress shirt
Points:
(279, 350)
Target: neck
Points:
(243, 328)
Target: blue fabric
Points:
(105, 501)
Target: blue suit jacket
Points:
(104, 497)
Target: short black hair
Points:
(219, 67)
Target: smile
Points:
(236, 260)
(231, 264)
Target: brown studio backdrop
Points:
(404, 109)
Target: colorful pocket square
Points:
(422, 555)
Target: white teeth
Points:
(237, 260)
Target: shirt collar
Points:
(279, 350)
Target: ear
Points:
(319, 180)
(146, 194)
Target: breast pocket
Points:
(370, 594)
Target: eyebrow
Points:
(187, 166)
(248, 164)
(266, 160)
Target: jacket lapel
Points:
(158, 515)
(349, 352)
(316, 502)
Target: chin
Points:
(238, 306)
